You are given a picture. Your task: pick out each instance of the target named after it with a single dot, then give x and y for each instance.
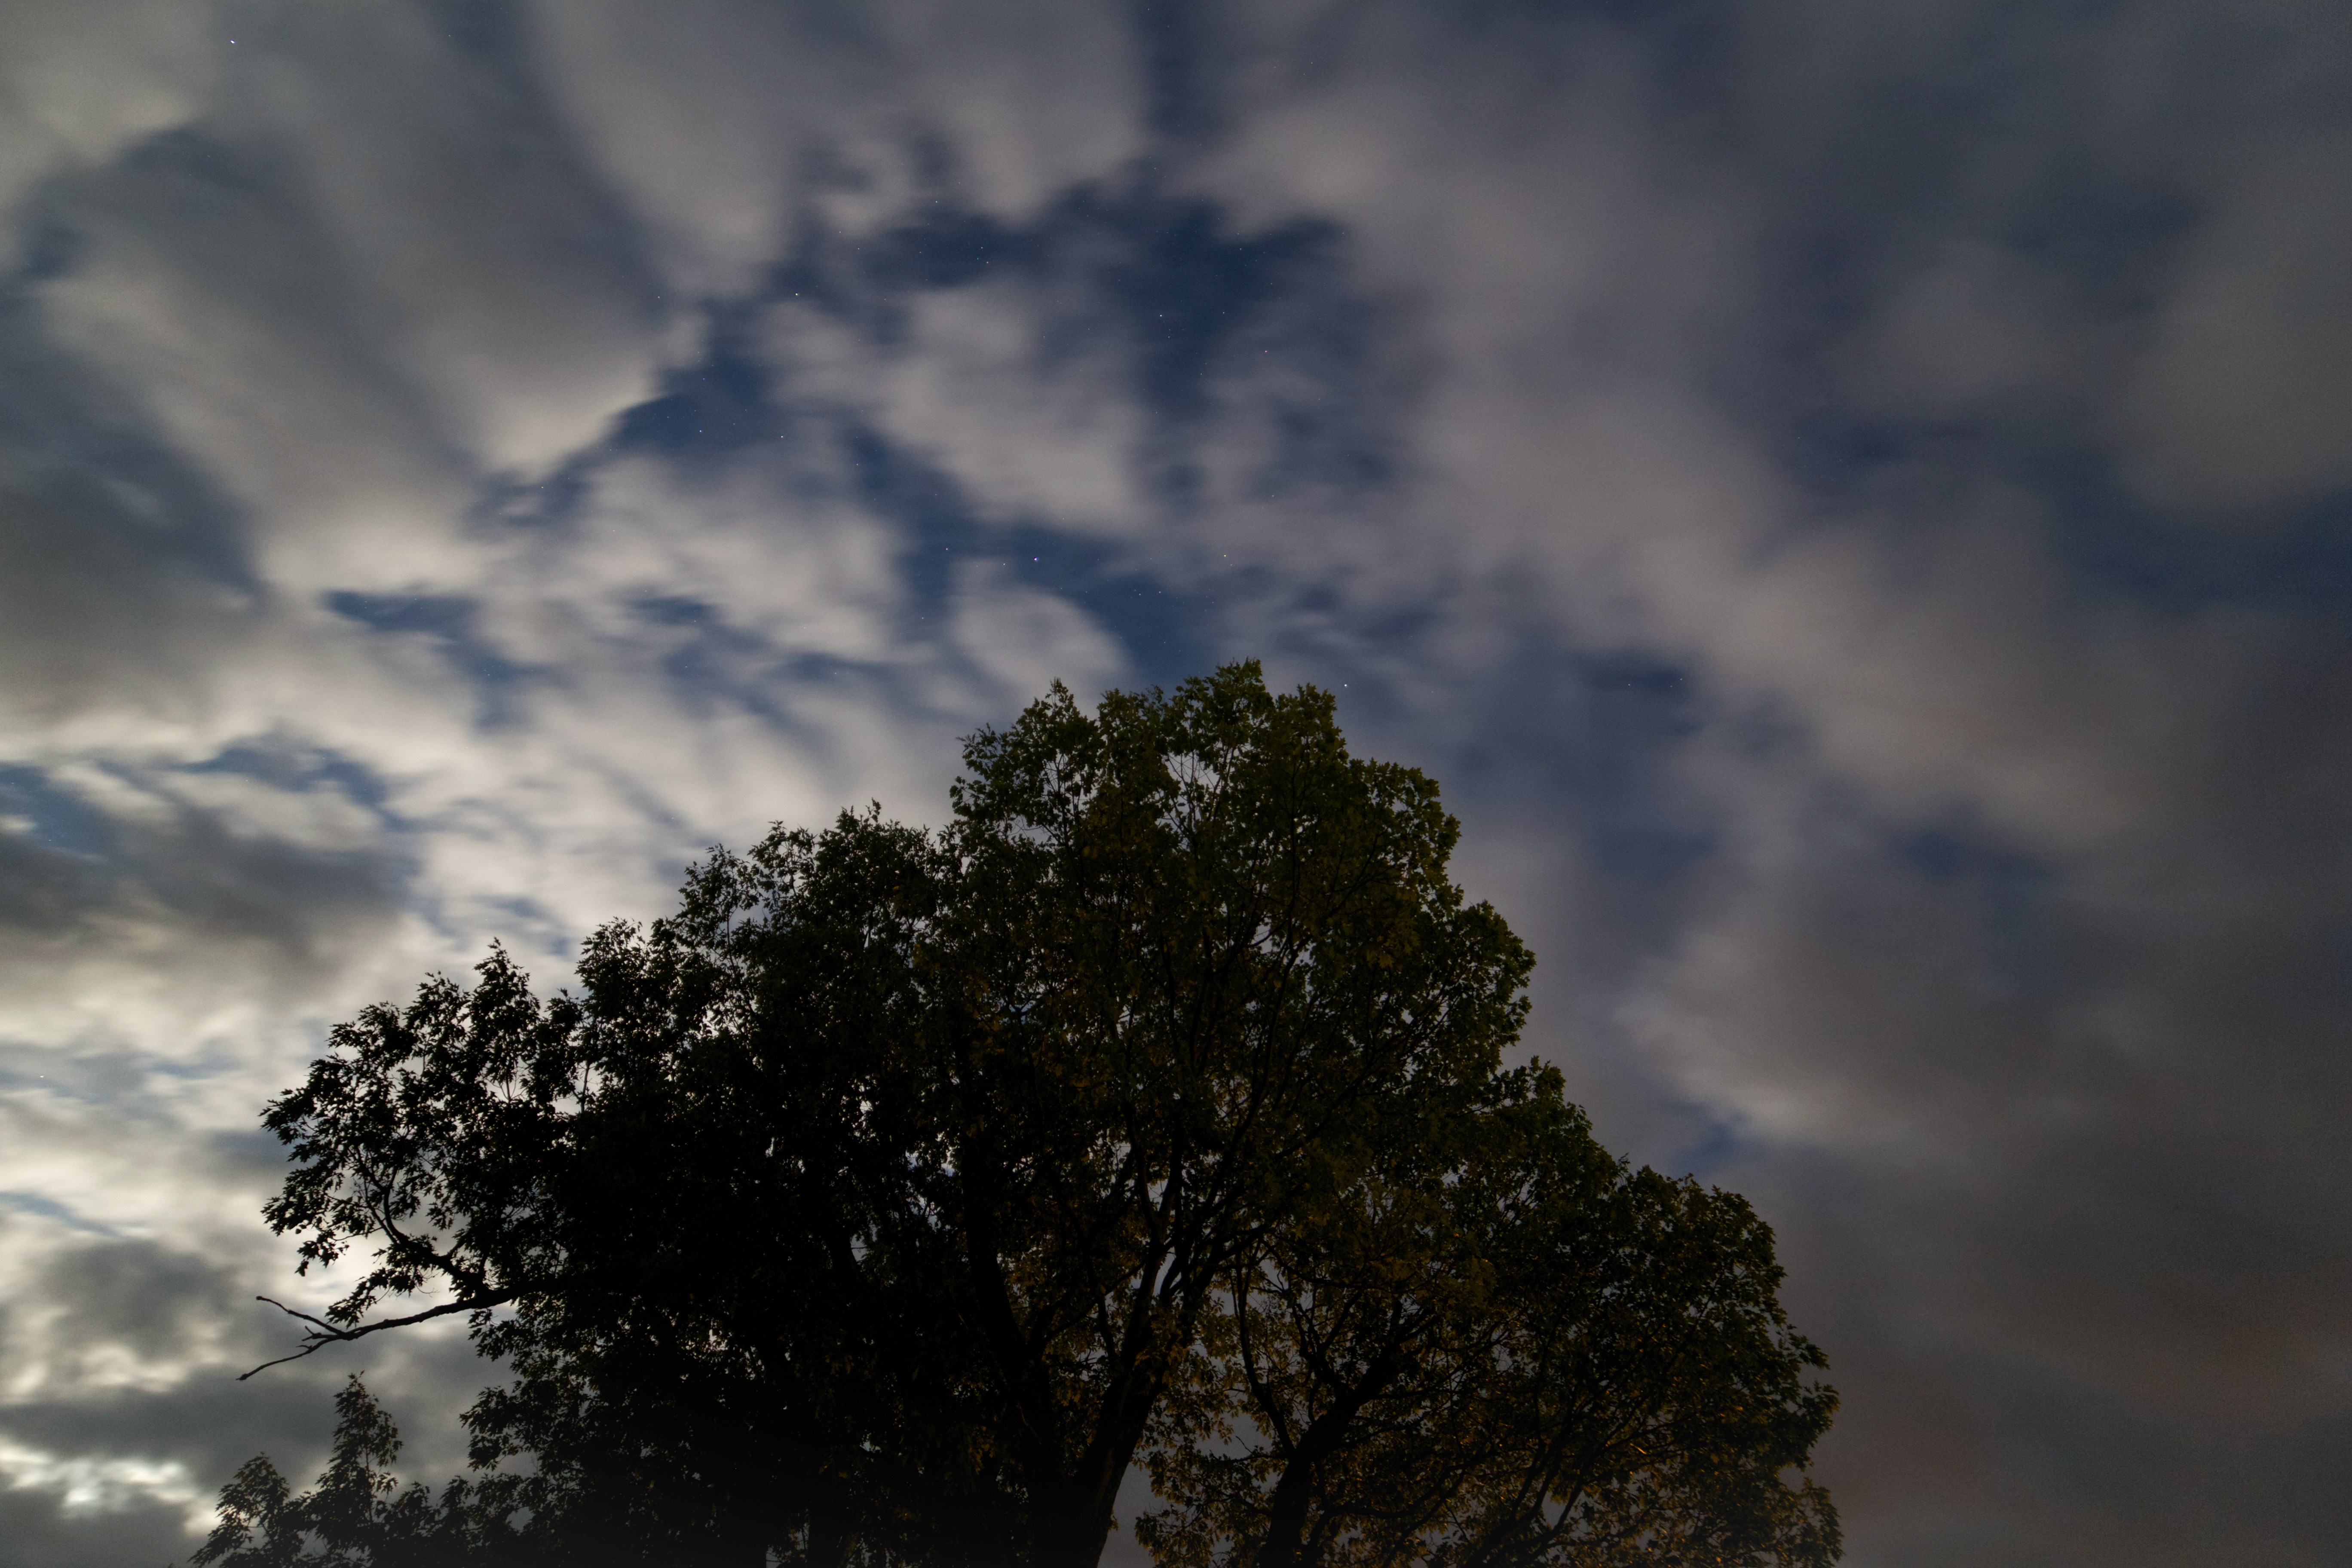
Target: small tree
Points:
(890, 1199)
(357, 1514)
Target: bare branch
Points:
(322, 1333)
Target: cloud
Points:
(2242, 397)
(1025, 640)
(1847, 498)
(1988, 932)
(52, 1522)
(74, 95)
(717, 121)
(1019, 395)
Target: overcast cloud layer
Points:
(1853, 502)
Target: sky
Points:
(1852, 500)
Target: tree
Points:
(356, 1514)
(1506, 1349)
(888, 1200)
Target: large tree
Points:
(904, 1189)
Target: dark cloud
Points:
(38, 1530)
(125, 1414)
(1850, 498)
(93, 617)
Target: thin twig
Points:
(324, 1334)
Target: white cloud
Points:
(73, 95)
(1024, 639)
(716, 120)
(93, 1484)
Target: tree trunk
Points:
(1073, 1539)
(1286, 1527)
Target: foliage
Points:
(1510, 1350)
(892, 1198)
(357, 1514)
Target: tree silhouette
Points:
(890, 1200)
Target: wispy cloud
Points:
(1849, 499)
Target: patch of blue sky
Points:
(2111, 542)
(2008, 895)
(720, 403)
(70, 443)
(527, 918)
(1597, 734)
(491, 34)
(1161, 627)
(303, 768)
(1169, 276)
(56, 818)
(50, 1208)
(945, 246)
(714, 661)
(723, 403)
(540, 500)
(393, 860)
(450, 621)
(1187, 284)
(1714, 1143)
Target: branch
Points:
(322, 1333)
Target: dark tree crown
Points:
(903, 1189)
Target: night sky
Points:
(1851, 500)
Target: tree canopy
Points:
(901, 1191)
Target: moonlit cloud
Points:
(1849, 499)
